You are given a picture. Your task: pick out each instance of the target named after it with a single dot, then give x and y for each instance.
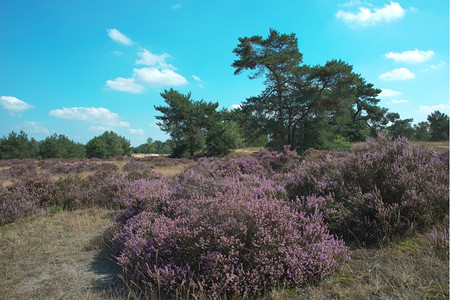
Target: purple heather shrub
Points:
(16, 203)
(383, 189)
(21, 167)
(124, 193)
(134, 165)
(238, 242)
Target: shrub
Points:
(384, 189)
(235, 243)
(227, 227)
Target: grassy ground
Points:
(63, 256)
(59, 256)
(437, 146)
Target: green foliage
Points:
(422, 131)
(339, 143)
(18, 146)
(298, 97)
(251, 130)
(196, 127)
(59, 146)
(107, 145)
(223, 137)
(439, 126)
(187, 121)
(401, 128)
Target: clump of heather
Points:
(17, 203)
(124, 192)
(237, 242)
(383, 189)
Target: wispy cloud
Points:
(369, 17)
(136, 131)
(387, 93)
(442, 64)
(154, 60)
(428, 109)
(399, 101)
(101, 118)
(411, 56)
(119, 37)
(14, 104)
(398, 74)
(199, 80)
(125, 85)
(32, 127)
(176, 6)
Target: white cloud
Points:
(368, 17)
(199, 81)
(410, 57)
(125, 85)
(396, 101)
(101, 116)
(387, 93)
(176, 6)
(158, 78)
(426, 110)
(136, 131)
(32, 127)
(234, 106)
(398, 74)
(119, 37)
(439, 66)
(14, 104)
(149, 59)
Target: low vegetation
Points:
(371, 223)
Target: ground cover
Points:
(65, 249)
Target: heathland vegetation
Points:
(333, 189)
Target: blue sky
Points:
(82, 67)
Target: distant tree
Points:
(439, 126)
(187, 121)
(146, 148)
(108, 144)
(402, 128)
(422, 131)
(18, 146)
(59, 146)
(97, 147)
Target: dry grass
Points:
(55, 257)
(407, 270)
(439, 147)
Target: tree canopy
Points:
(298, 98)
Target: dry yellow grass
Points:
(437, 146)
(55, 257)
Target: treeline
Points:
(222, 130)
(18, 145)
